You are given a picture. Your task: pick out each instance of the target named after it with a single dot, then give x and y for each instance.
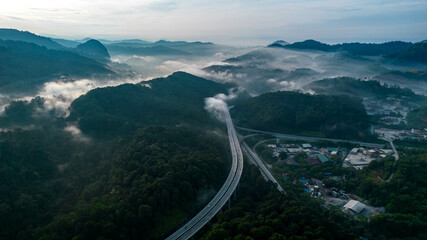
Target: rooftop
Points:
(355, 206)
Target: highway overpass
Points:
(223, 195)
(311, 139)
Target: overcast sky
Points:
(223, 21)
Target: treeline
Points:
(292, 112)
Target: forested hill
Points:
(394, 50)
(16, 35)
(25, 66)
(368, 49)
(362, 89)
(176, 99)
(417, 53)
(293, 112)
(152, 156)
(95, 50)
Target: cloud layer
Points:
(235, 21)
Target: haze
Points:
(230, 22)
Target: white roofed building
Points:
(354, 206)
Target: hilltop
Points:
(26, 66)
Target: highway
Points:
(223, 195)
(254, 157)
(396, 157)
(312, 139)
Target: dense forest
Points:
(177, 99)
(291, 112)
(137, 182)
(404, 197)
(54, 187)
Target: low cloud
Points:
(76, 133)
(275, 69)
(218, 104)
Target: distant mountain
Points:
(16, 35)
(90, 48)
(373, 49)
(364, 49)
(135, 41)
(175, 43)
(67, 43)
(144, 51)
(309, 44)
(24, 66)
(163, 48)
(279, 43)
(363, 89)
(416, 52)
(176, 99)
(94, 49)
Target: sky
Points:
(236, 22)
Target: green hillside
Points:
(24, 66)
(151, 157)
(293, 112)
(176, 99)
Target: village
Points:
(356, 157)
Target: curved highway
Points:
(254, 157)
(221, 198)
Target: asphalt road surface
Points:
(223, 195)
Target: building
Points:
(361, 157)
(306, 145)
(323, 158)
(354, 206)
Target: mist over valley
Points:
(183, 120)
